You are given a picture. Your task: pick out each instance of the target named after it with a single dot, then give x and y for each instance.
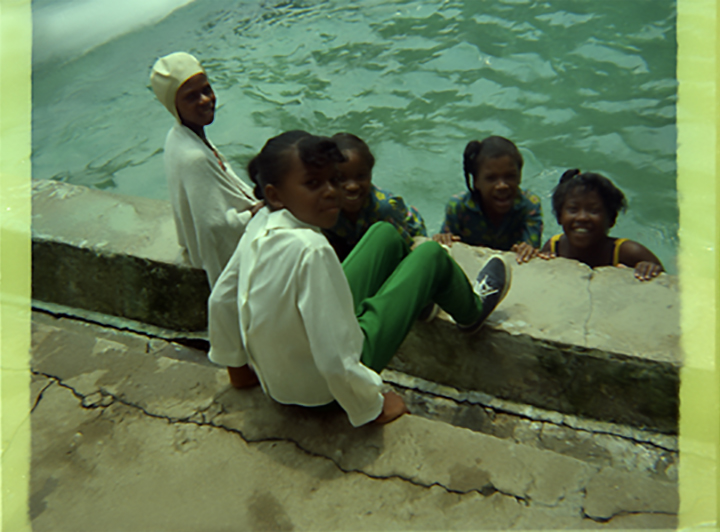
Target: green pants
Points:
(391, 286)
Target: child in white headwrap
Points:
(211, 205)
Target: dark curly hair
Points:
(272, 163)
(477, 152)
(612, 197)
(348, 141)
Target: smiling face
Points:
(195, 102)
(497, 180)
(310, 194)
(356, 179)
(584, 218)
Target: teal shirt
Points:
(379, 206)
(465, 218)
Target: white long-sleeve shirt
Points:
(283, 305)
(210, 205)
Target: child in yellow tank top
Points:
(586, 205)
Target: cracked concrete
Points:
(137, 433)
(598, 344)
(566, 338)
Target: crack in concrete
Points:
(507, 411)
(623, 513)
(485, 491)
(183, 340)
(585, 515)
(194, 343)
(37, 400)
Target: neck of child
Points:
(599, 254)
(352, 216)
(198, 130)
(495, 218)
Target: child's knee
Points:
(385, 229)
(387, 232)
(433, 255)
(431, 249)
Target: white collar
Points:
(284, 219)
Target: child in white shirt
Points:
(315, 331)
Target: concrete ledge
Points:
(166, 295)
(595, 343)
(113, 254)
(564, 378)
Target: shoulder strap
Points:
(553, 243)
(616, 251)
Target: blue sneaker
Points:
(491, 286)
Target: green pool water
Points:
(573, 83)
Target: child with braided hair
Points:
(494, 212)
(312, 331)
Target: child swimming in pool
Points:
(363, 203)
(312, 331)
(586, 205)
(494, 212)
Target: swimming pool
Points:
(573, 83)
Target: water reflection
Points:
(573, 84)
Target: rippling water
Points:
(573, 83)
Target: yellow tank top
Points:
(616, 251)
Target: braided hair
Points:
(477, 152)
(272, 163)
(612, 197)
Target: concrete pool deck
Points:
(568, 339)
(132, 432)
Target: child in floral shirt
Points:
(494, 212)
(364, 204)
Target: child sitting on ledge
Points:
(586, 205)
(312, 331)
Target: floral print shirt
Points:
(380, 205)
(465, 218)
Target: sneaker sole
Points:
(472, 329)
(508, 279)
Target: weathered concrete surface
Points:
(567, 338)
(113, 254)
(597, 343)
(133, 433)
(600, 443)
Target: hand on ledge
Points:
(524, 252)
(646, 270)
(243, 377)
(446, 239)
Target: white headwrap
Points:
(169, 73)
